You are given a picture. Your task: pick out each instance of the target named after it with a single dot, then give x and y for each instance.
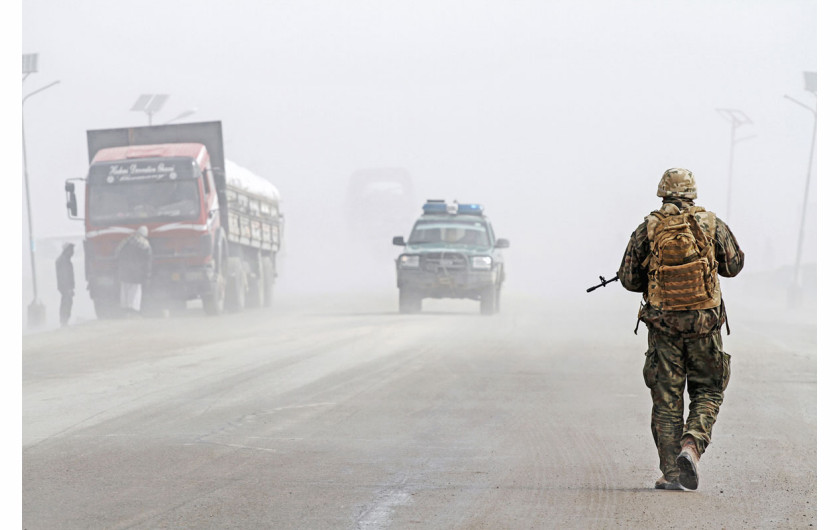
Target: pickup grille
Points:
(444, 261)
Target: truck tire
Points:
(410, 301)
(487, 300)
(236, 285)
(268, 281)
(498, 298)
(256, 287)
(214, 301)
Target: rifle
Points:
(603, 283)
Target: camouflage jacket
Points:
(634, 277)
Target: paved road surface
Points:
(336, 412)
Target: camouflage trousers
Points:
(671, 362)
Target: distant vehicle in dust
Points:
(452, 252)
(215, 228)
(379, 202)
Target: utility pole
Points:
(36, 315)
(737, 119)
(794, 295)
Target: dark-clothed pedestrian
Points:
(134, 265)
(66, 282)
(674, 259)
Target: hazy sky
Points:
(559, 116)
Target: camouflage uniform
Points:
(683, 347)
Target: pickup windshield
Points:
(466, 233)
(150, 201)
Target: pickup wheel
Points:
(488, 299)
(410, 301)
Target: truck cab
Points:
(178, 188)
(169, 189)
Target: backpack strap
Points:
(704, 225)
(706, 220)
(653, 220)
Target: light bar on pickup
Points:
(436, 206)
(471, 209)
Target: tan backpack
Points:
(682, 269)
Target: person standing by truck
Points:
(66, 282)
(134, 266)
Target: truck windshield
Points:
(467, 233)
(150, 201)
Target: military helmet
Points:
(677, 182)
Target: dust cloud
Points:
(559, 117)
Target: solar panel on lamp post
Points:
(150, 104)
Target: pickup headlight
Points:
(483, 263)
(408, 262)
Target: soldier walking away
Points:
(674, 258)
(134, 266)
(66, 281)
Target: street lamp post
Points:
(36, 315)
(796, 287)
(737, 119)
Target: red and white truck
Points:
(215, 228)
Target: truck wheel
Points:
(235, 293)
(410, 301)
(214, 301)
(256, 288)
(488, 300)
(268, 281)
(498, 298)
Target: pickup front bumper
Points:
(445, 276)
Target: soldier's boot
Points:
(663, 483)
(687, 462)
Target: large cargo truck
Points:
(214, 227)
